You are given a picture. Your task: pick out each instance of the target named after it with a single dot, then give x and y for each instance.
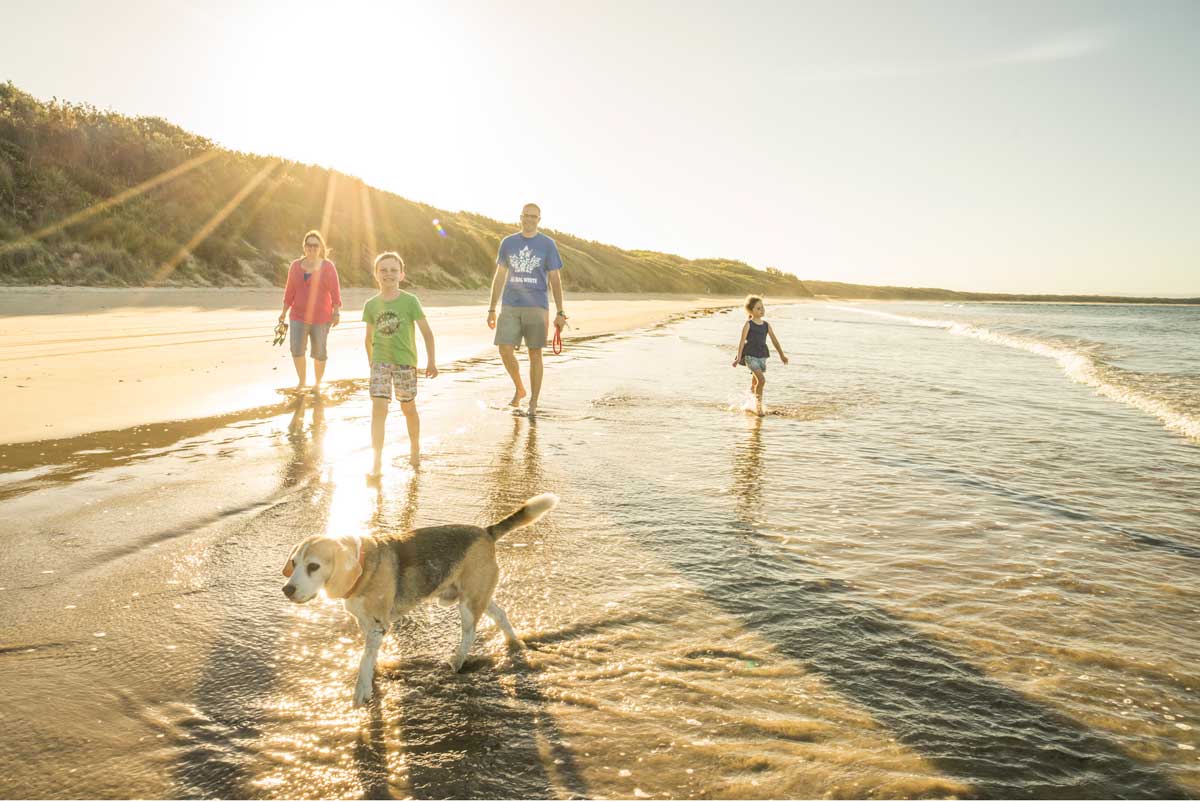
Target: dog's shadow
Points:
(484, 732)
(404, 669)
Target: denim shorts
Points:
(758, 363)
(299, 333)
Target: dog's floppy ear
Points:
(291, 560)
(346, 568)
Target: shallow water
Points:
(957, 557)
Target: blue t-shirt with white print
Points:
(528, 261)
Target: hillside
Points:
(91, 197)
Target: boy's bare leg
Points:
(318, 372)
(535, 378)
(508, 355)
(301, 370)
(409, 408)
(379, 411)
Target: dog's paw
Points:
(456, 662)
(362, 695)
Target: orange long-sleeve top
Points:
(312, 296)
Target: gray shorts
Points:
(386, 378)
(299, 334)
(517, 322)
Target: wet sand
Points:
(837, 601)
(79, 360)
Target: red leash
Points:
(556, 341)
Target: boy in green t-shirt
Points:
(392, 352)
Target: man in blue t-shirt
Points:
(526, 264)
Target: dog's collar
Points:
(362, 569)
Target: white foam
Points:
(1078, 366)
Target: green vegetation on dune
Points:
(94, 198)
(91, 197)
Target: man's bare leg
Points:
(535, 378)
(508, 355)
(301, 370)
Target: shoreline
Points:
(35, 300)
(23, 301)
(80, 361)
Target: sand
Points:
(79, 360)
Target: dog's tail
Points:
(530, 511)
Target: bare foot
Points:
(517, 396)
(532, 408)
(414, 459)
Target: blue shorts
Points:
(299, 333)
(758, 363)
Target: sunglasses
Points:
(312, 245)
(529, 217)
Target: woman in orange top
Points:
(314, 295)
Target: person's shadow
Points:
(963, 722)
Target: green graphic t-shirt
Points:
(394, 341)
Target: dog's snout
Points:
(289, 590)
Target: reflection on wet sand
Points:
(517, 470)
(392, 514)
(26, 467)
(748, 474)
(242, 665)
(306, 446)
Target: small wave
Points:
(1078, 366)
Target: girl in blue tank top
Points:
(752, 349)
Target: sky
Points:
(1004, 147)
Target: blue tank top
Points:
(756, 340)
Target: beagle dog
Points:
(380, 579)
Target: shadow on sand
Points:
(485, 732)
(1027, 498)
(935, 702)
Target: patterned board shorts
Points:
(386, 376)
(758, 363)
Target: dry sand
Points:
(77, 360)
